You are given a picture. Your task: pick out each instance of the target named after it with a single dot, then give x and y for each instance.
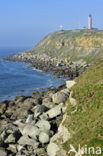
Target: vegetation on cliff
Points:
(85, 120)
(71, 45)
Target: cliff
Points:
(71, 45)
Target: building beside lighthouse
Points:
(90, 21)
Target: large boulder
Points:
(62, 136)
(13, 137)
(59, 97)
(38, 100)
(54, 112)
(19, 123)
(28, 103)
(10, 139)
(52, 149)
(39, 109)
(47, 99)
(30, 130)
(19, 99)
(70, 83)
(2, 107)
(43, 125)
(25, 140)
(20, 113)
(3, 135)
(44, 116)
(49, 105)
(30, 118)
(12, 148)
(43, 137)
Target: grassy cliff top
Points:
(86, 123)
(71, 44)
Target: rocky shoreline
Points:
(45, 63)
(28, 123)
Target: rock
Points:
(3, 152)
(52, 149)
(25, 140)
(28, 103)
(44, 116)
(19, 99)
(19, 153)
(40, 152)
(39, 110)
(9, 112)
(62, 136)
(35, 93)
(43, 125)
(49, 105)
(30, 130)
(19, 123)
(3, 125)
(10, 139)
(61, 87)
(73, 101)
(2, 107)
(38, 100)
(11, 104)
(20, 113)
(51, 93)
(54, 112)
(29, 150)
(43, 137)
(20, 147)
(3, 135)
(64, 109)
(30, 118)
(59, 97)
(70, 83)
(12, 148)
(47, 99)
(66, 91)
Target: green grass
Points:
(86, 124)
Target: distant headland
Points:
(89, 28)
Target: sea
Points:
(20, 78)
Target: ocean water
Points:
(21, 79)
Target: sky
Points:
(23, 23)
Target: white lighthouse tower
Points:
(90, 21)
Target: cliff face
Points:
(71, 45)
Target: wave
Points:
(38, 70)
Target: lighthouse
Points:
(90, 21)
